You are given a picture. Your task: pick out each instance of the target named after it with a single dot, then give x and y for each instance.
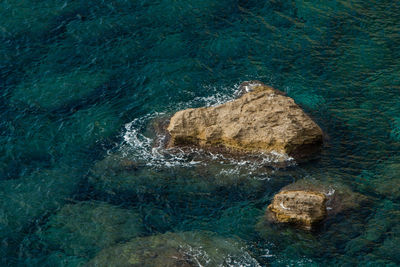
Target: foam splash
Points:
(244, 260)
(152, 151)
(202, 259)
(217, 96)
(196, 254)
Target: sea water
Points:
(82, 169)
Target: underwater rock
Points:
(302, 208)
(176, 249)
(119, 174)
(57, 259)
(88, 227)
(384, 180)
(170, 197)
(27, 200)
(263, 120)
(380, 236)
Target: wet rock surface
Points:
(302, 208)
(308, 202)
(262, 120)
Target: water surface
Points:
(81, 83)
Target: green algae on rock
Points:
(176, 249)
(87, 227)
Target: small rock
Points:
(302, 208)
(307, 202)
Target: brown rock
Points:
(308, 201)
(262, 120)
(302, 208)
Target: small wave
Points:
(217, 96)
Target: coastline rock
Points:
(302, 208)
(262, 120)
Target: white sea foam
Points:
(202, 259)
(196, 254)
(151, 151)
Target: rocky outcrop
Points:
(261, 120)
(302, 208)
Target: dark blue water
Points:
(82, 83)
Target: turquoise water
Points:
(82, 83)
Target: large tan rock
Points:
(302, 208)
(262, 120)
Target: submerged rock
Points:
(176, 249)
(85, 228)
(262, 120)
(383, 180)
(27, 200)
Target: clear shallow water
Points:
(80, 83)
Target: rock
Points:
(302, 208)
(340, 197)
(184, 249)
(85, 228)
(56, 259)
(262, 120)
(27, 200)
(383, 179)
(379, 233)
(307, 202)
(122, 175)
